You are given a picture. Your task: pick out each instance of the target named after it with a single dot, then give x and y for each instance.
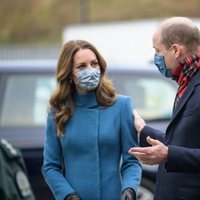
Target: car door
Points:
(23, 106)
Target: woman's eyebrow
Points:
(78, 64)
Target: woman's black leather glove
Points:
(72, 196)
(128, 194)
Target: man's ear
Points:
(178, 49)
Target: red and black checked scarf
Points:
(184, 73)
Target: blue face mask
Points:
(160, 63)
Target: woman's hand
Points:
(72, 196)
(128, 194)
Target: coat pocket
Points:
(192, 111)
(189, 192)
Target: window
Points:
(26, 96)
(25, 101)
(152, 96)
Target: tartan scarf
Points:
(184, 72)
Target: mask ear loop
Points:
(70, 79)
(172, 65)
(168, 50)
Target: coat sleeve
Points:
(52, 164)
(182, 159)
(153, 133)
(131, 168)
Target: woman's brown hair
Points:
(62, 98)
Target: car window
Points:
(26, 96)
(25, 99)
(152, 96)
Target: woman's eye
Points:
(95, 64)
(80, 66)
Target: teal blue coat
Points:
(95, 151)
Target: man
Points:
(177, 55)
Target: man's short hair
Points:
(183, 32)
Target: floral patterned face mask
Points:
(88, 79)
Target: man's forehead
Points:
(157, 36)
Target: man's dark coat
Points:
(179, 177)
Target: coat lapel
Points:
(195, 81)
(183, 100)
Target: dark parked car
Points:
(25, 90)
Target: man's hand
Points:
(155, 154)
(138, 122)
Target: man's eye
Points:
(158, 51)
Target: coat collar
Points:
(195, 81)
(86, 100)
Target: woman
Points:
(89, 128)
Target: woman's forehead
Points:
(84, 55)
